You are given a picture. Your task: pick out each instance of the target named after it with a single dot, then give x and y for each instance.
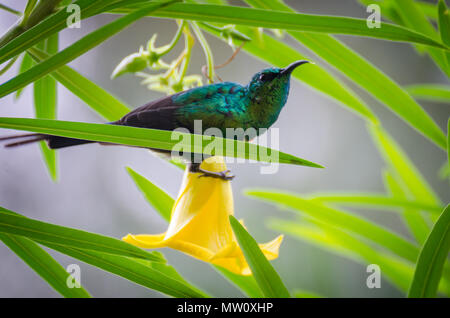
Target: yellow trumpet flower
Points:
(200, 226)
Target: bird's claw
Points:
(224, 175)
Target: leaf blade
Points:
(288, 21)
(132, 270)
(432, 258)
(43, 264)
(102, 102)
(150, 138)
(158, 198)
(341, 219)
(16, 224)
(45, 100)
(265, 275)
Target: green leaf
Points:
(51, 25)
(331, 239)
(418, 226)
(444, 28)
(366, 76)
(289, 21)
(25, 65)
(265, 275)
(10, 10)
(10, 63)
(158, 198)
(432, 258)
(375, 201)
(389, 10)
(415, 19)
(246, 284)
(43, 264)
(132, 270)
(431, 92)
(150, 138)
(42, 232)
(28, 9)
(342, 220)
(45, 100)
(312, 75)
(403, 167)
(102, 102)
(78, 48)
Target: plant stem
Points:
(175, 39)
(42, 10)
(206, 49)
(8, 66)
(10, 10)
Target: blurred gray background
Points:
(95, 193)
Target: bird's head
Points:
(272, 83)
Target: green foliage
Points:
(99, 100)
(416, 266)
(148, 138)
(158, 198)
(45, 100)
(432, 259)
(39, 231)
(431, 92)
(265, 275)
(43, 264)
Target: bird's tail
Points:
(54, 142)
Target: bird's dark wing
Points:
(158, 114)
(208, 103)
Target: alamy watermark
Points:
(374, 19)
(191, 147)
(73, 21)
(74, 278)
(374, 279)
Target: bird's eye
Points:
(264, 77)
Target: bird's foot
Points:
(224, 175)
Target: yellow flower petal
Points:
(200, 225)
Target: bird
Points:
(219, 105)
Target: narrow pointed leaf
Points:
(403, 167)
(98, 99)
(415, 19)
(444, 28)
(289, 21)
(338, 242)
(45, 99)
(43, 264)
(265, 275)
(132, 270)
(416, 223)
(343, 220)
(45, 232)
(431, 92)
(25, 65)
(375, 201)
(151, 138)
(158, 198)
(432, 258)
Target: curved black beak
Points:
(293, 66)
